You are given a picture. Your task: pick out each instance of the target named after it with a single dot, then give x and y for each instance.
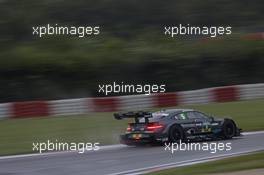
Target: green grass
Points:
(17, 135)
(240, 163)
(248, 114)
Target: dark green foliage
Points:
(131, 47)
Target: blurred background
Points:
(131, 48)
(131, 43)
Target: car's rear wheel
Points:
(176, 134)
(228, 129)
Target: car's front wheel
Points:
(228, 129)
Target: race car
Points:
(174, 125)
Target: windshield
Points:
(159, 114)
(155, 116)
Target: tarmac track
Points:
(119, 159)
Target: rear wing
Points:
(136, 115)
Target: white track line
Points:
(105, 147)
(182, 163)
(253, 132)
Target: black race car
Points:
(173, 125)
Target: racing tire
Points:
(228, 129)
(176, 134)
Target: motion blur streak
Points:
(131, 47)
(118, 103)
(121, 159)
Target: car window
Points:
(200, 115)
(181, 116)
(159, 114)
(191, 115)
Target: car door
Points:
(186, 122)
(201, 121)
(205, 126)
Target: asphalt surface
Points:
(118, 160)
